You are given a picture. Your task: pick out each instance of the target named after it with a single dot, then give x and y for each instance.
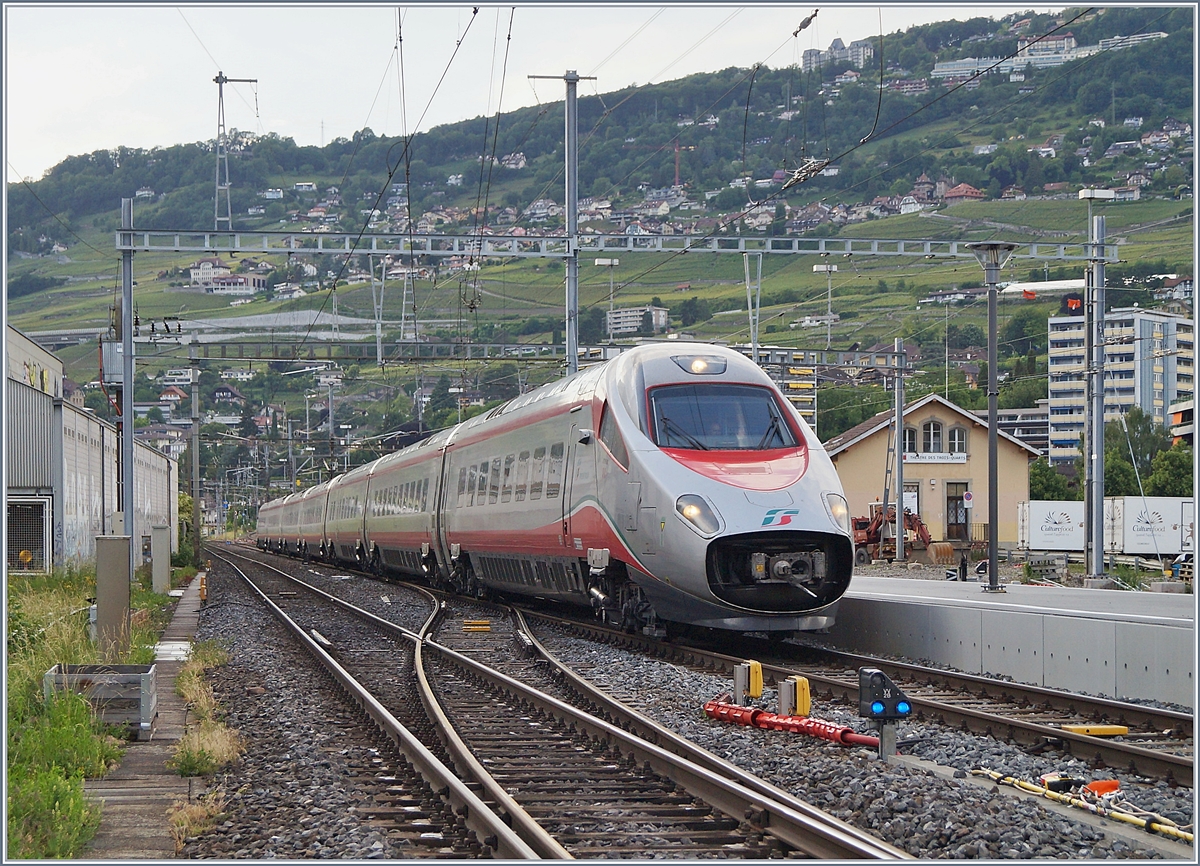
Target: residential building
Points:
(1030, 425)
(203, 272)
(238, 375)
(227, 394)
(963, 192)
(628, 320)
(1149, 363)
(1182, 421)
(237, 284)
(179, 378)
(945, 457)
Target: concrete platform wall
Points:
(1096, 655)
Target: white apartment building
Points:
(1149, 363)
(628, 320)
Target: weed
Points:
(192, 819)
(66, 736)
(48, 814)
(206, 748)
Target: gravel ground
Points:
(927, 816)
(297, 791)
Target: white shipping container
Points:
(1049, 525)
(1157, 525)
(1133, 525)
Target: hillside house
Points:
(238, 284)
(203, 272)
(172, 394)
(227, 394)
(963, 192)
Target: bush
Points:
(48, 814)
(66, 736)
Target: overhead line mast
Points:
(223, 154)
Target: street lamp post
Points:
(610, 264)
(992, 255)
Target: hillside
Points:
(628, 138)
(1041, 137)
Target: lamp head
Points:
(992, 254)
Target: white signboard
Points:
(915, 457)
(1055, 525)
(968, 499)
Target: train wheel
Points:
(861, 557)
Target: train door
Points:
(579, 477)
(441, 506)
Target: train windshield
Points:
(718, 418)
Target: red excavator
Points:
(875, 536)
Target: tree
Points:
(1146, 439)
(1119, 479)
(247, 427)
(1171, 474)
(1045, 482)
(591, 325)
(692, 310)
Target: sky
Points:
(88, 77)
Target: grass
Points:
(192, 819)
(53, 745)
(207, 745)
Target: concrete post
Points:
(114, 554)
(160, 556)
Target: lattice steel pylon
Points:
(223, 155)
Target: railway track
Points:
(569, 783)
(1159, 744)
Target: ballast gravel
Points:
(296, 793)
(925, 815)
(298, 790)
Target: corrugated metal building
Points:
(62, 470)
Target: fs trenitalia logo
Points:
(779, 516)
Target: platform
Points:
(1100, 641)
(137, 795)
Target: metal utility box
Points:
(123, 695)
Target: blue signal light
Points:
(904, 707)
(877, 707)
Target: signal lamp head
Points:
(879, 698)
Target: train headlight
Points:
(700, 365)
(698, 513)
(839, 510)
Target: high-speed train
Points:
(671, 484)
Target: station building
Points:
(945, 469)
(62, 470)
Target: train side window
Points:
(555, 470)
(424, 493)
(611, 437)
(535, 475)
(471, 484)
(506, 489)
(522, 475)
(462, 485)
(494, 482)
(481, 489)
